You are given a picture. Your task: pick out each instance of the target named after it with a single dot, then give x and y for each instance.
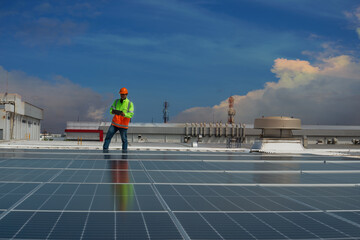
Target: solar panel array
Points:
(78, 194)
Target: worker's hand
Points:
(116, 112)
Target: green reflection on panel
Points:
(123, 189)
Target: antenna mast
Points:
(166, 112)
(7, 83)
(231, 112)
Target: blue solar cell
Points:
(100, 226)
(255, 226)
(47, 189)
(353, 217)
(246, 204)
(176, 203)
(314, 226)
(8, 200)
(79, 203)
(130, 226)
(66, 189)
(12, 223)
(22, 188)
(196, 226)
(86, 189)
(8, 187)
(227, 227)
(105, 189)
(225, 204)
(33, 202)
(141, 190)
(56, 202)
(38, 226)
(200, 204)
(205, 191)
(167, 190)
(69, 226)
(286, 227)
(160, 226)
(102, 203)
(337, 224)
(149, 203)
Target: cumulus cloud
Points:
(327, 92)
(61, 99)
(292, 73)
(353, 15)
(354, 18)
(96, 114)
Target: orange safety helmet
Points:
(123, 91)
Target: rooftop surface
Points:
(326, 149)
(208, 194)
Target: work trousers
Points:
(110, 133)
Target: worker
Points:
(123, 110)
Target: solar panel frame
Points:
(178, 195)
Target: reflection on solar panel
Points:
(59, 194)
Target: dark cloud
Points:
(61, 99)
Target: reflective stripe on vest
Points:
(119, 125)
(114, 107)
(129, 108)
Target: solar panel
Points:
(86, 194)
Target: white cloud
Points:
(324, 93)
(96, 114)
(354, 18)
(292, 73)
(61, 99)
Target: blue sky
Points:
(190, 53)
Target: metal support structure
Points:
(231, 111)
(166, 112)
(232, 134)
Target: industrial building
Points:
(230, 133)
(216, 133)
(19, 119)
(68, 191)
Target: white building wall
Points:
(3, 120)
(7, 127)
(19, 120)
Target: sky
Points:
(295, 58)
